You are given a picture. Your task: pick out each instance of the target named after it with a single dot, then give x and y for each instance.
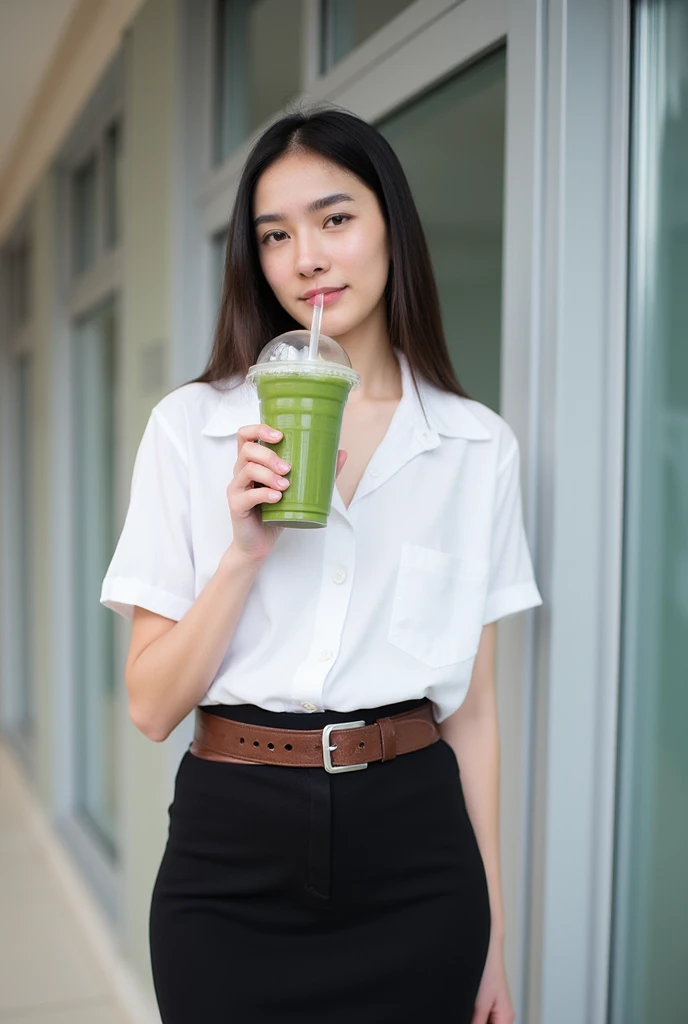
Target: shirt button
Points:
(375, 472)
(325, 655)
(307, 706)
(339, 575)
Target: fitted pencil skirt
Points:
(290, 895)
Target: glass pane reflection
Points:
(259, 66)
(451, 145)
(348, 23)
(649, 981)
(94, 351)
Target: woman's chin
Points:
(334, 323)
(338, 326)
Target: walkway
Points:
(48, 971)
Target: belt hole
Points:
(242, 740)
(361, 744)
(256, 743)
(271, 746)
(287, 746)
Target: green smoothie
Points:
(307, 407)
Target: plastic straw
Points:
(315, 326)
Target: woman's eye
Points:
(341, 217)
(337, 218)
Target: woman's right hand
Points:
(255, 464)
(258, 464)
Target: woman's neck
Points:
(369, 349)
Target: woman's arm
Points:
(170, 664)
(167, 677)
(472, 732)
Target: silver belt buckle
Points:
(327, 749)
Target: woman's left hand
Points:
(493, 1003)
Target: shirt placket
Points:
(333, 603)
(407, 438)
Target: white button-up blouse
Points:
(386, 603)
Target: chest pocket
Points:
(438, 605)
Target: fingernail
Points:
(283, 466)
(275, 434)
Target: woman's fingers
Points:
(263, 456)
(258, 464)
(253, 434)
(255, 473)
(242, 503)
(257, 432)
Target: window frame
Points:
(88, 139)
(78, 294)
(309, 71)
(327, 61)
(111, 156)
(17, 343)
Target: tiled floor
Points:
(48, 974)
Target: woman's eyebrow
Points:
(317, 204)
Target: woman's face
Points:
(320, 228)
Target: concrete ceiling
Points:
(30, 31)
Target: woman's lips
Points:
(328, 297)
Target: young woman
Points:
(289, 892)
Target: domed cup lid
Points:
(288, 355)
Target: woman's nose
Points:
(310, 257)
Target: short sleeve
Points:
(152, 565)
(512, 587)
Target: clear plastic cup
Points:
(304, 398)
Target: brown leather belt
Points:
(340, 747)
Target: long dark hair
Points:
(250, 314)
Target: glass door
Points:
(94, 351)
(649, 981)
(24, 717)
(451, 144)
(27, 715)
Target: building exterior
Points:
(546, 142)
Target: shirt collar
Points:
(445, 414)
(440, 412)
(237, 406)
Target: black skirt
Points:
(290, 895)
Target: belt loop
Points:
(388, 738)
